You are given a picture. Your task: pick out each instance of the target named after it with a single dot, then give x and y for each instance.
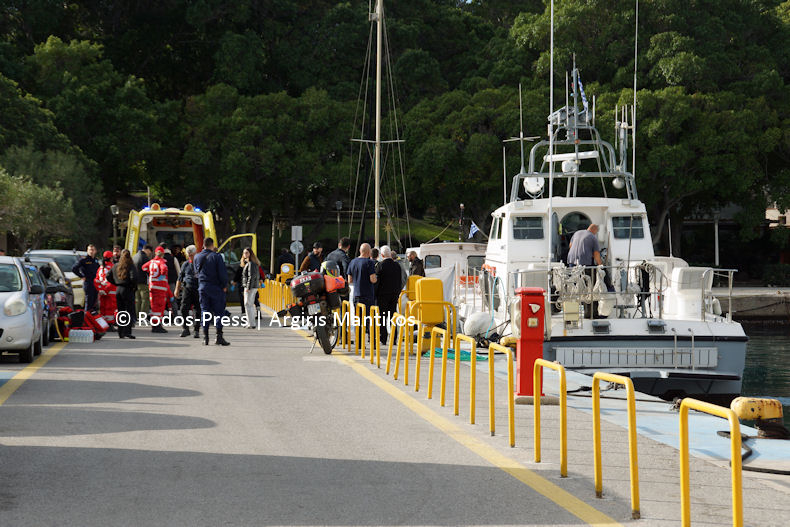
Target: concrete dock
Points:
(165, 431)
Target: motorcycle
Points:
(317, 296)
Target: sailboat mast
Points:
(377, 151)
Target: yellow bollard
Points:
(473, 374)
(629, 386)
(345, 323)
(510, 396)
(401, 341)
(434, 332)
(359, 332)
(445, 349)
(538, 368)
(375, 334)
(393, 326)
(735, 458)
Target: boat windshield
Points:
(9, 278)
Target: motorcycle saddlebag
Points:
(307, 284)
(333, 300)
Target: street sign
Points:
(297, 247)
(296, 233)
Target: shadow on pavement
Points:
(56, 392)
(79, 359)
(54, 421)
(129, 487)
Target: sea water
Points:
(767, 372)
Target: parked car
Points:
(64, 294)
(50, 310)
(66, 260)
(22, 317)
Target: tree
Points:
(33, 213)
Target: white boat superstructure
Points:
(651, 317)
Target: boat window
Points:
(496, 228)
(527, 228)
(475, 263)
(9, 278)
(433, 261)
(575, 221)
(623, 225)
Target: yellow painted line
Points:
(16, 381)
(539, 484)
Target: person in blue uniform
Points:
(86, 268)
(212, 285)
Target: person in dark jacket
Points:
(250, 281)
(187, 286)
(416, 266)
(312, 262)
(389, 280)
(86, 269)
(212, 286)
(141, 301)
(340, 255)
(124, 276)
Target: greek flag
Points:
(473, 230)
(581, 90)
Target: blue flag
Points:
(473, 230)
(581, 90)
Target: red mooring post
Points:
(530, 342)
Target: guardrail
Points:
(510, 394)
(735, 458)
(596, 389)
(537, 370)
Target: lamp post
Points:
(338, 206)
(114, 211)
(461, 225)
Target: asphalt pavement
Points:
(165, 431)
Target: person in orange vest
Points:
(158, 289)
(107, 300)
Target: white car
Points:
(21, 319)
(66, 260)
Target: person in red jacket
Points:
(107, 302)
(158, 290)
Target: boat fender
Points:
(716, 306)
(476, 324)
(510, 342)
(605, 302)
(753, 408)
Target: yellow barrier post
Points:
(345, 322)
(537, 370)
(473, 374)
(359, 332)
(392, 340)
(434, 333)
(375, 333)
(510, 397)
(404, 330)
(629, 386)
(735, 458)
(450, 317)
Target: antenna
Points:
(504, 177)
(669, 232)
(636, 42)
(521, 121)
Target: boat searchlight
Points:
(618, 182)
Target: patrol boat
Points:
(657, 321)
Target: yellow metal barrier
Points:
(510, 397)
(629, 386)
(449, 316)
(359, 332)
(538, 368)
(445, 341)
(394, 325)
(345, 325)
(735, 455)
(404, 338)
(375, 334)
(473, 375)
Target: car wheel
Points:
(28, 354)
(38, 347)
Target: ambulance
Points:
(190, 225)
